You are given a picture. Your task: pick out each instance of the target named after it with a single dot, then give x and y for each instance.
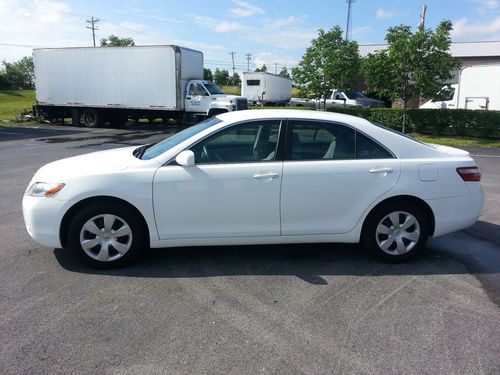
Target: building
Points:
(469, 53)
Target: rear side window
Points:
(368, 149)
(253, 82)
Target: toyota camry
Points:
(256, 177)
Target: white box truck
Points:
(110, 84)
(478, 87)
(262, 88)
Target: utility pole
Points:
(422, 17)
(92, 21)
(249, 56)
(275, 68)
(232, 53)
(349, 20)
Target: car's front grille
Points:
(241, 104)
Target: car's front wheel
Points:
(396, 231)
(107, 235)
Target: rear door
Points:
(331, 174)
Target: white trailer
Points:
(264, 88)
(111, 84)
(478, 87)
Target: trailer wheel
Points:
(118, 121)
(92, 119)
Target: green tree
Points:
(414, 63)
(18, 74)
(235, 80)
(331, 62)
(114, 41)
(221, 76)
(207, 74)
(263, 68)
(284, 73)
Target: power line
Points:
(93, 27)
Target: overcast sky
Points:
(271, 30)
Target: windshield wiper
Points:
(139, 151)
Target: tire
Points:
(92, 118)
(118, 121)
(92, 235)
(396, 231)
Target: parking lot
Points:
(314, 308)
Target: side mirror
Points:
(185, 158)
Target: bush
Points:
(451, 122)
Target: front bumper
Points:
(42, 217)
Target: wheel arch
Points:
(406, 198)
(70, 214)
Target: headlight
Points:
(44, 189)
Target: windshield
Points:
(160, 147)
(445, 94)
(213, 89)
(355, 95)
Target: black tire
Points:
(136, 242)
(118, 121)
(92, 118)
(413, 238)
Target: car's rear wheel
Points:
(396, 231)
(107, 236)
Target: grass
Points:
(13, 102)
(458, 141)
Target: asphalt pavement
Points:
(314, 309)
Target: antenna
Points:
(348, 29)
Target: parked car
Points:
(339, 99)
(256, 177)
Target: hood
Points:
(100, 162)
(368, 101)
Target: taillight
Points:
(469, 173)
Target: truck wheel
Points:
(92, 119)
(118, 121)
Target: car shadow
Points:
(15, 133)
(309, 262)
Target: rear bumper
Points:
(457, 213)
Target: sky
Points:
(274, 32)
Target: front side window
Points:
(197, 89)
(249, 142)
(321, 141)
(213, 89)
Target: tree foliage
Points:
(329, 63)
(414, 63)
(115, 41)
(221, 76)
(235, 80)
(207, 74)
(18, 74)
(284, 73)
(263, 68)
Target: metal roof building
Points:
(468, 52)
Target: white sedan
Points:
(256, 177)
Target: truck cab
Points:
(446, 98)
(351, 99)
(204, 97)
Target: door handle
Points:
(263, 176)
(381, 170)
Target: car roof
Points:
(252, 114)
